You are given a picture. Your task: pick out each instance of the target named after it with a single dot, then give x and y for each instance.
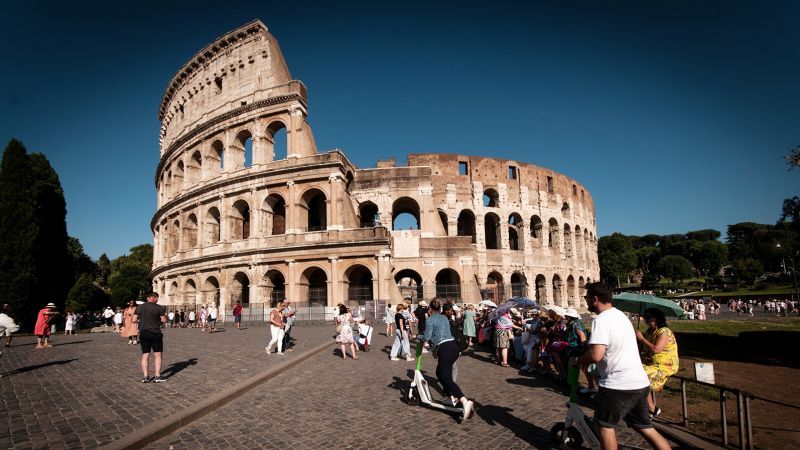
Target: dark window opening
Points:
(550, 184)
(512, 173)
(462, 168)
(218, 83)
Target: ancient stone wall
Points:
(241, 220)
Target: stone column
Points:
(290, 287)
(291, 208)
(427, 212)
(335, 294)
(334, 222)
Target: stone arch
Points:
(194, 168)
(240, 289)
(491, 199)
(242, 149)
(515, 224)
(405, 209)
(443, 219)
(567, 241)
(571, 294)
(189, 231)
(189, 292)
(558, 291)
(211, 291)
(536, 231)
(240, 220)
(578, 243)
(368, 215)
(313, 286)
(494, 287)
(174, 293)
(552, 237)
(466, 224)
(216, 158)
(175, 237)
(314, 210)
(178, 177)
(277, 142)
(448, 284)
(565, 210)
(409, 282)
(275, 285)
(491, 225)
(274, 215)
(541, 289)
(212, 226)
(358, 278)
(519, 285)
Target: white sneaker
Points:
(267, 349)
(394, 359)
(468, 409)
(410, 359)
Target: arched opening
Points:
(519, 285)
(211, 291)
(175, 237)
(359, 284)
(212, 226)
(513, 239)
(491, 225)
(448, 284)
(552, 238)
(405, 214)
(177, 177)
(578, 243)
(466, 224)
(368, 215)
(491, 199)
(581, 292)
(536, 231)
(409, 283)
(558, 291)
(565, 210)
(314, 284)
(217, 157)
(240, 220)
(541, 289)
(190, 231)
(571, 294)
(494, 288)
(443, 220)
(194, 169)
(567, 241)
(274, 217)
(314, 207)
(243, 149)
(276, 141)
(168, 186)
(240, 291)
(190, 293)
(174, 293)
(275, 285)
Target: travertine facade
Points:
(243, 215)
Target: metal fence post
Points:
(740, 415)
(723, 416)
(748, 422)
(684, 407)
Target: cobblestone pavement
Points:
(327, 402)
(86, 390)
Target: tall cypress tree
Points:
(34, 263)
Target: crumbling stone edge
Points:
(167, 425)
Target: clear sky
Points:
(675, 115)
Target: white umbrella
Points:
(488, 303)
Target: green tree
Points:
(82, 264)
(793, 157)
(675, 267)
(617, 257)
(103, 270)
(703, 235)
(130, 275)
(746, 270)
(86, 296)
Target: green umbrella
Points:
(637, 303)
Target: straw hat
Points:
(557, 309)
(423, 303)
(572, 312)
(51, 305)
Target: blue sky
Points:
(675, 115)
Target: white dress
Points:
(346, 334)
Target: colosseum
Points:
(250, 210)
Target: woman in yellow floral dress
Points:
(659, 353)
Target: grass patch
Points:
(730, 327)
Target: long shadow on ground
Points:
(174, 368)
(36, 367)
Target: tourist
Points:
(130, 329)
(388, 318)
(469, 324)
(438, 336)
(69, 324)
(659, 353)
(149, 317)
(8, 319)
(182, 318)
(624, 386)
(276, 329)
(108, 316)
(237, 315)
(288, 321)
(211, 320)
(530, 342)
(345, 337)
(203, 318)
(192, 318)
(503, 330)
(170, 319)
(421, 313)
(401, 335)
(42, 327)
(700, 310)
(118, 320)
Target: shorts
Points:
(191, 322)
(237, 319)
(211, 322)
(150, 340)
(501, 339)
(611, 405)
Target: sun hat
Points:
(515, 312)
(572, 312)
(557, 309)
(423, 303)
(51, 305)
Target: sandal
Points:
(504, 364)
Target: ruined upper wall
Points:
(240, 68)
(446, 169)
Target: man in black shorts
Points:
(150, 316)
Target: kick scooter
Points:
(577, 428)
(419, 392)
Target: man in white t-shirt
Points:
(624, 385)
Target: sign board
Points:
(704, 371)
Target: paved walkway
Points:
(86, 392)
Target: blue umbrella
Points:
(516, 302)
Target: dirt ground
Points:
(760, 364)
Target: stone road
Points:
(86, 391)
